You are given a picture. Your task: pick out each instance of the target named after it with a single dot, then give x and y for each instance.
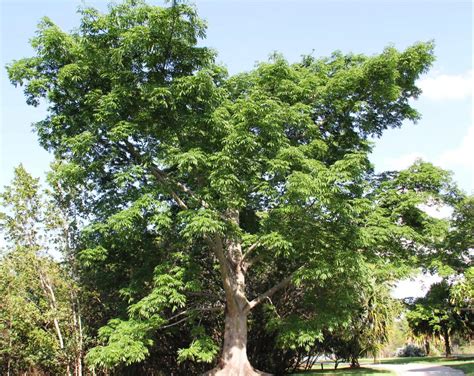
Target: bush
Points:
(410, 350)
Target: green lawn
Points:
(466, 367)
(345, 371)
(427, 359)
(465, 364)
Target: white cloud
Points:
(462, 155)
(437, 211)
(459, 159)
(414, 287)
(404, 161)
(445, 86)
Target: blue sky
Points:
(245, 32)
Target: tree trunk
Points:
(233, 267)
(10, 342)
(427, 347)
(447, 344)
(354, 362)
(51, 297)
(233, 360)
(77, 321)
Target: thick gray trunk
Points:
(233, 360)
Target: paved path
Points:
(417, 369)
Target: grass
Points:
(466, 367)
(426, 359)
(465, 364)
(345, 371)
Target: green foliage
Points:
(127, 342)
(460, 240)
(202, 349)
(22, 197)
(410, 350)
(436, 314)
(447, 308)
(369, 327)
(168, 292)
(38, 309)
(462, 290)
(198, 224)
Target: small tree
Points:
(448, 306)
(369, 325)
(436, 315)
(38, 312)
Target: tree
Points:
(263, 175)
(368, 328)
(460, 240)
(436, 315)
(39, 320)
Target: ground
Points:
(418, 369)
(461, 363)
(346, 372)
(429, 366)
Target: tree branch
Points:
(159, 175)
(249, 251)
(249, 263)
(164, 179)
(187, 312)
(231, 283)
(267, 294)
(175, 323)
(249, 258)
(226, 273)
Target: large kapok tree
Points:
(264, 175)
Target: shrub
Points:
(410, 350)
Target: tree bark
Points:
(9, 362)
(447, 344)
(77, 321)
(233, 360)
(51, 297)
(233, 267)
(355, 362)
